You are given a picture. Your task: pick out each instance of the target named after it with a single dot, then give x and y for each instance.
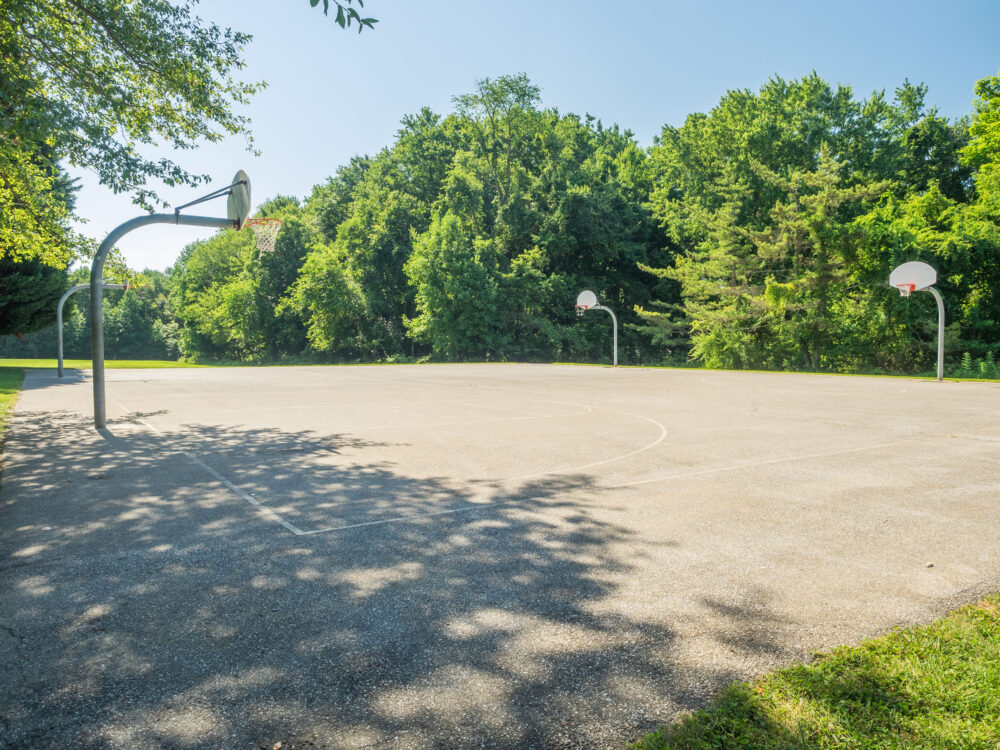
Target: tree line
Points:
(757, 235)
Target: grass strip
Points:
(10, 386)
(110, 364)
(934, 686)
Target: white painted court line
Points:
(566, 470)
(753, 464)
(273, 516)
(267, 512)
(586, 409)
(487, 506)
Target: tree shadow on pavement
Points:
(146, 605)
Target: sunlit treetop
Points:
(111, 87)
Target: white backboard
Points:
(920, 275)
(238, 203)
(586, 299)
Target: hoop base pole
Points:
(97, 292)
(581, 309)
(940, 351)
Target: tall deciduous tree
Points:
(761, 199)
(498, 116)
(963, 244)
(328, 296)
(102, 85)
(329, 202)
(94, 82)
(456, 278)
(983, 150)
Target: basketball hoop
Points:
(265, 232)
(916, 276)
(587, 300)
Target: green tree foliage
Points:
(590, 221)
(29, 293)
(144, 327)
(782, 127)
(90, 83)
(128, 326)
(329, 297)
(983, 150)
(202, 269)
(346, 15)
(720, 279)
(456, 276)
(377, 240)
(808, 254)
(965, 249)
(760, 234)
(556, 202)
(36, 206)
(227, 294)
(779, 262)
(369, 212)
(498, 118)
(330, 201)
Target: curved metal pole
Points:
(59, 308)
(614, 328)
(97, 289)
(940, 306)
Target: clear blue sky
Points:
(334, 94)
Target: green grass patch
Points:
(10, 385)
(935, 686)
(125, 364)
(111, 364)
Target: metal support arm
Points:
(940, 352)
(614, 329)
(97, 291)
(59, 317)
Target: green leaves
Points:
(29, 292)
(983, 150)
(102, 86)
(759, 235)
(456, 276)
(91, 83)
(346, 15)
(783, 257)
(34, 211)
(328, 296)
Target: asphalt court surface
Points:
(465, 555)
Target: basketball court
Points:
(465, 555)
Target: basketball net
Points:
(265, 232)
(906, 289)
